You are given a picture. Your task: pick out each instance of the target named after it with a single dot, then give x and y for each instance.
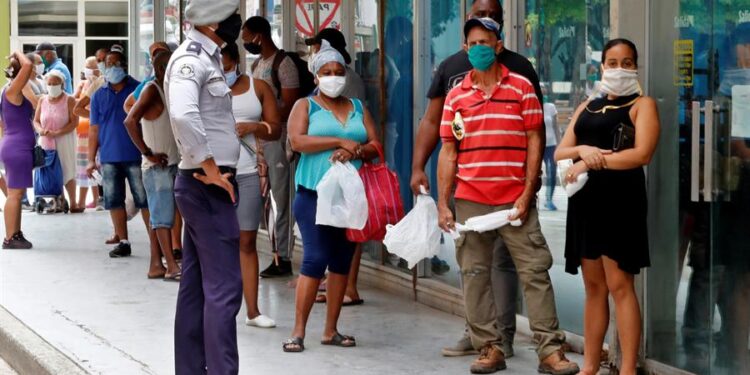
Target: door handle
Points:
(708, 153)
(695, 157)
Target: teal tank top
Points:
(322, 123)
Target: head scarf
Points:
(324, 56)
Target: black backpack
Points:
(306, 79)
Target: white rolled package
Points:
(486, 223)
(570, 187)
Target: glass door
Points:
(698, 288)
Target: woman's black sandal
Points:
(340, 340)
(294, 345)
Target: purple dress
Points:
(17, 145)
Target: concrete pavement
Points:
(110, 319)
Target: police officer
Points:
(200, 109)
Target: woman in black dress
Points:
(606, 228)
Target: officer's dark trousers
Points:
(211, 287)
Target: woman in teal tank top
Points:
(325, 128)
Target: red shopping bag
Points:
(383, 200)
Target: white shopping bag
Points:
(342, 201)
(130, 207)
(417, 235)
(562, 172)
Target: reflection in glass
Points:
(110, 18)
(365, 63)
(141, 67)
(445, 38)
(563, 39)
(39, 17)
(172, 21)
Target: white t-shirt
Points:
(246, 107)
(550, 114)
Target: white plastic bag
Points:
(417, 235)
(562, 172)
(342, 201)
(130, 209)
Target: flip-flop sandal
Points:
(175, 277)
(298, 341)
(157, 276)
(340, 340)
(354, 302)
(321, 298)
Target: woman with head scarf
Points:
(16, 151)
(56, 124)
(325, 128)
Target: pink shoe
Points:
(91, 205)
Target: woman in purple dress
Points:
(16, 150)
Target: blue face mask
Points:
(231, 77)
(481, 57)
(115, 74)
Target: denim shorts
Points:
(159, 184)
(113, 182)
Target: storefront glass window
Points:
(275, 16)
(365, 63)
(141, 67)
(563, 39)
(44, 18)
(172, 21)
(442, 35)
(110, 18)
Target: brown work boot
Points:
(557, 364)
(491, 359)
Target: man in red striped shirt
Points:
(493, 134)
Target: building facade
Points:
(694, 59)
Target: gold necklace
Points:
(604, 109)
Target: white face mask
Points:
(39, 69)
(89, 73)
(55, 90)
(332, 86)
(620, 82)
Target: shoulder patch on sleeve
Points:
(194, 47)
(186, 70)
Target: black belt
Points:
(191, 172)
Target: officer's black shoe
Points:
(282, 270)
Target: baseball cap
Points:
(117, 48)
(486, 22)
(207, 12)
(45, 46)
(335, 38)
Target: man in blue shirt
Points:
(48, 53)
(120, 159)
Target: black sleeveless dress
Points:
(608, 216)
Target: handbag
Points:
(624, 137)
(39, 156)
(384, 203)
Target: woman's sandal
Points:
(294, 345)
(340, 340)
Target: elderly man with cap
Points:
(355, 87)
(200, 109)
(491, 152)
(48, 53)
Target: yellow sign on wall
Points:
(683, 62)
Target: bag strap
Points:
(277, 60)
(379, 149)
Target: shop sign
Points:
(683, 62)
(328, 10)
(566, 32)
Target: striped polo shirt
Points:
(492, 154)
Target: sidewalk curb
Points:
(28, 353)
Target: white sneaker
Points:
(260, 321)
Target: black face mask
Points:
(229, 29)
(252, 48)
